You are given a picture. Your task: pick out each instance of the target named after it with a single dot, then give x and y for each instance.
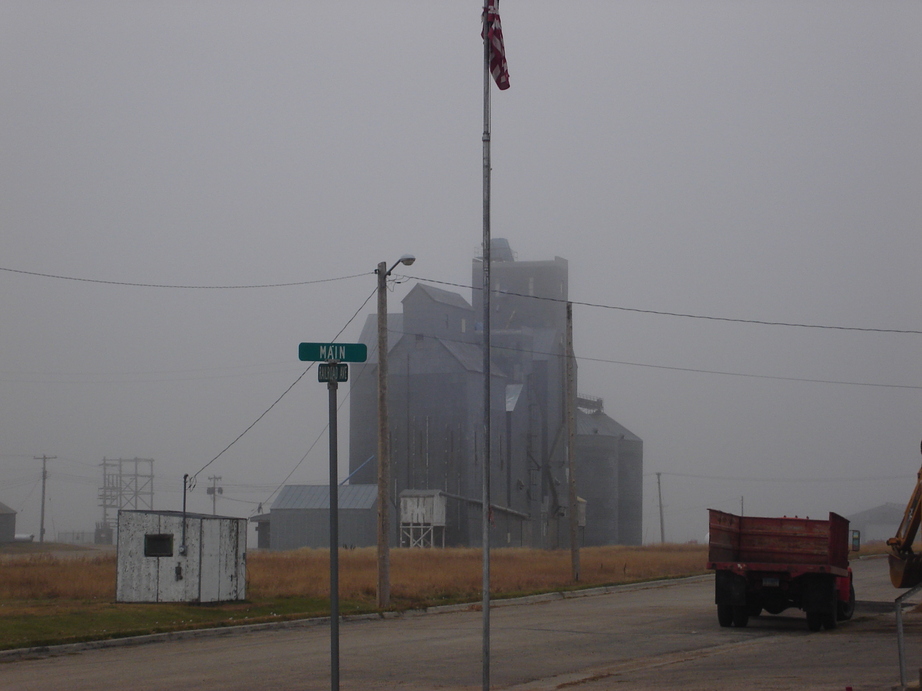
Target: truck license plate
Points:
(770, 582)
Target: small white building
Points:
(422, 518)
(169, 556)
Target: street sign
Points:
(338, 372)
(340, 352)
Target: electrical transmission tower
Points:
(127, 483)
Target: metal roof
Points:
(318, 497)
(446, 297)
(5, 509)
(470, 355)
(600, 423)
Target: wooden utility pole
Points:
(44, 460)
(384, 447)
(571, 446)
(214, 490)
(659, 491)
(384, 435)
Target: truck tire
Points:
(845, 610)
(814, 621)
(740, 616)
(725, 615)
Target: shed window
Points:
(158, 545)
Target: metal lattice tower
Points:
(127, 483)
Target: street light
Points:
(384, 451)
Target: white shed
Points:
(169, 556)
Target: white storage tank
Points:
(169, 556)
(422, 518)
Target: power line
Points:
(828, 478)
(752, 376)
(662, 313)
(317, 439)
(179, 287)
(285, 392)
(692, 370)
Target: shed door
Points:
(210, 573)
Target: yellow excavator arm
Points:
(906, 565)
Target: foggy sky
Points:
(749, 160)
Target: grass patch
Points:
(50, 598)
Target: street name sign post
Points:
(332, 370)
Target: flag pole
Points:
(487, 438)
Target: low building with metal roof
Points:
(300, 517)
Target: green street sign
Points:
(338, 372)
(339, 352)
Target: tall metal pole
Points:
(44, 459)
(659, 491)
(334, 542)
(384, 446)
(487, 437)
(571, 446)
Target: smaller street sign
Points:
(332, 372)
(340, 352)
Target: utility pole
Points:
(384, 436)
(44, 460)
(573, 499)
(659, 491)
(214, 491)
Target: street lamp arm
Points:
(406, 259)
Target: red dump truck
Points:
(772, 564)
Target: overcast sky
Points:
(744, 159)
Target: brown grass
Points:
(417, 576)
(49, 577)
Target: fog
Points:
(743, 164)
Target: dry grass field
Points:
(418, 577)
(67, 596)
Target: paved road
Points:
(662, 636)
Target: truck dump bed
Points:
(795, 545)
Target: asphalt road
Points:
(657, 636)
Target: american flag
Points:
(491, 26)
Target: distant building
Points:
(609, 476)
(300, 517)
(435, 401)
(7, 523)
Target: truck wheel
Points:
(845, 610)
(829, 620)
(740, 616)
(725, 615)
(814, 621)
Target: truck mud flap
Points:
(729, 588)
(820, 595)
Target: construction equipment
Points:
(772, 564)
(906, 565)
